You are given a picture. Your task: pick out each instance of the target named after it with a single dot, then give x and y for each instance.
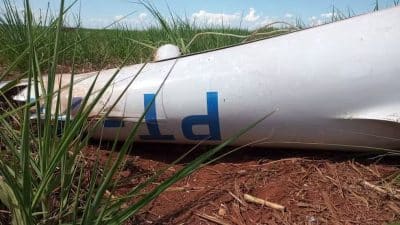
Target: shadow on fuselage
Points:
(168, 153)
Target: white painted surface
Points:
(336, 85)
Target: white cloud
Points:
(261, 23)
(118, 17)
(289, 15)
(209, 18)
(321, 19)
(315, 21)
(142, 16)
(251, 16)
(139, 21)
(251, 20)
(266, 21)
(326, 15)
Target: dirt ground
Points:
(314, 187)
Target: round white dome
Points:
(167, 51)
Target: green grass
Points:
(118, 44)
(94, 49)
(99, 48)
(43, 177)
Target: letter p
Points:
(211, 119)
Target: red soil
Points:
(314, 187)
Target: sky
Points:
(248, 14)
